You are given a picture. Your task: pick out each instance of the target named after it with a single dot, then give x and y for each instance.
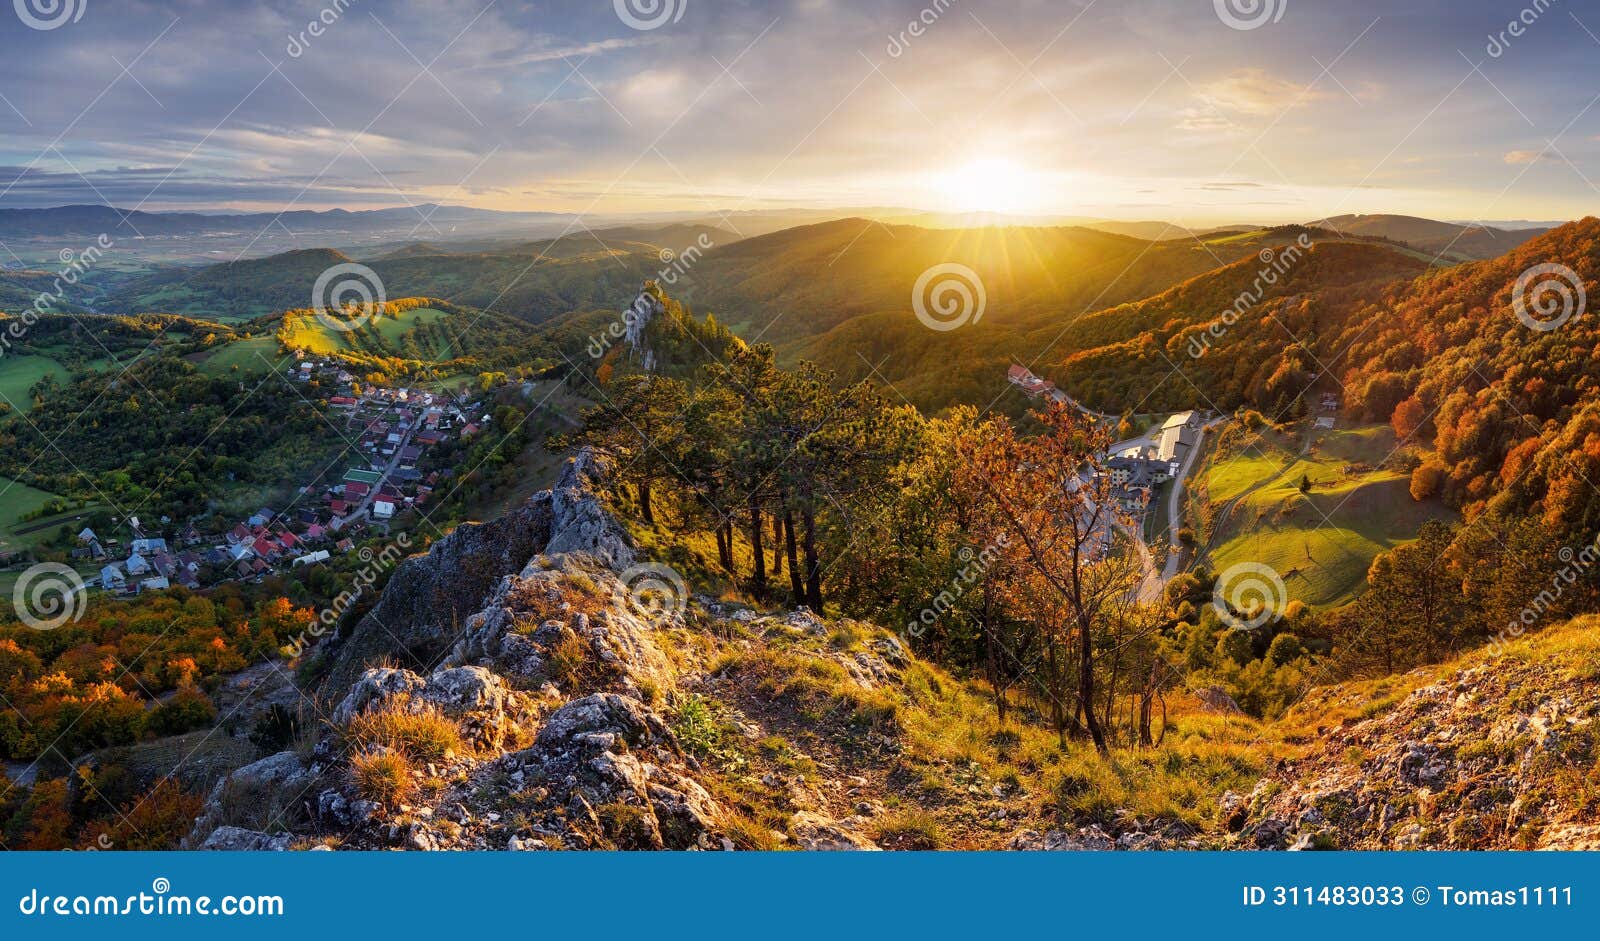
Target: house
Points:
(87, 537)
(345, 545)
(338, 507)
(321, 555)
(112, 579)
(382, 509)
(239, 534)
(342, 401)
(261, 517)
(409, 456)
(265, 548)
(357, 490)
(288, 540)
(148, 546)
(137, 565)
(1178, 436)
(159, 583)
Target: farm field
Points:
(19, 373)
(313, 336)
(254, 356)
(1323, 540)
(18, 500)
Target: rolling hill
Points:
(1447, 239)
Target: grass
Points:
(1321, 541)
(18, 500)
(383, 777)
(424, 735)
(314, 336)
(255, 356)
(18, 374)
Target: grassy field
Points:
(251, 357)
(313, 336)
(1323, 540)
(18, 500)
(181, 299)
(19, 373)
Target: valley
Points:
(798, 464)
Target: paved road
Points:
(1175, 502)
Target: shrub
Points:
(383, 777)
(187, 710)
(276, 729)
(425, 735)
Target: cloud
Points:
(1256, 92)
(1521, 157)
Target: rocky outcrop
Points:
(1474, 757)
(419, 615)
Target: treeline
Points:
(1000, 553)
(161, 436)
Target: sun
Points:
(990, 185)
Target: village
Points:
(391, 432)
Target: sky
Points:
(1197, 111)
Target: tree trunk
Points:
(758, 577)
(644, 503)
(777, 546)
(796, 583)
(1086, 688)
(724, 550)
(808, 520)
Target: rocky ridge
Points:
(1497, 751)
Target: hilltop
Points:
(1450, 240)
